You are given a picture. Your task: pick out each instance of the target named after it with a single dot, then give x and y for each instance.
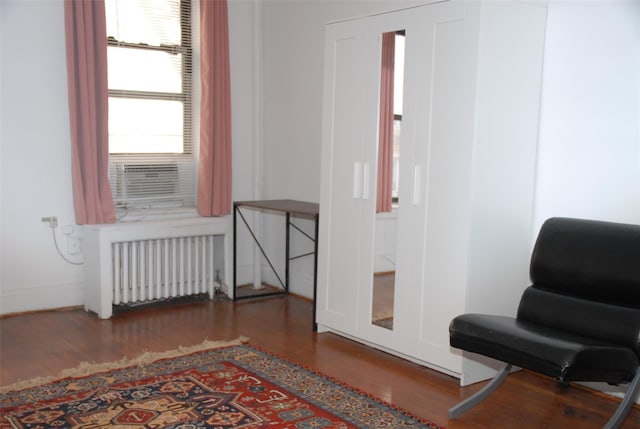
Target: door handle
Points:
(416, 185)
(357, 180)
(365, 181)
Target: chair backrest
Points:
(586, 279)
(590, 259)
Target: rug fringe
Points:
(87, 368)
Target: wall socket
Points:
(74, 244)
(52, 220)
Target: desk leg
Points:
(229, 272)
(287, 251)
(283, 283)
(315, 273)
(235, 251)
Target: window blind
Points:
(149, 53)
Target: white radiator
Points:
(136, 262)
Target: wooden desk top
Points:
(291, 206)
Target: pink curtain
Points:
(214, 172)
(85, 25)
(385, 132)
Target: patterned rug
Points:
(231, 385)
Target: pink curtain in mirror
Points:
(85, 25)
(214, 172)
(385, 132)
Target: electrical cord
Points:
(128, 210)
(55, 241)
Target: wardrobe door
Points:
(379, 306)
(344, 180)
(477, 162)
(435, 151)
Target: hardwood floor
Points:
(42, 344)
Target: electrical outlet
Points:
(74, 244)
(52, 220)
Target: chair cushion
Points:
(558, 354)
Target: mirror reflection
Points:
(387, 201)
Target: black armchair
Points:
(580, 318)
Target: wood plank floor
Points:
(44, 343)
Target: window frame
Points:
(186, 97)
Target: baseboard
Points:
(43, 297)
(44, 310)
(607, 389)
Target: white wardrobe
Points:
(472, 77)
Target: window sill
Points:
(393, 214)
(155, 214)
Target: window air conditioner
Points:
(145, 180)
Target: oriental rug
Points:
(231, 385)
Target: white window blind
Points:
(149, 53)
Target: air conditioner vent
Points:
(145, 180)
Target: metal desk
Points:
(289, 208)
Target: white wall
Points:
(35, 176)
(244, 93)
(36, 166)
(589, 148)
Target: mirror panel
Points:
(389, 136)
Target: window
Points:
(149, 53)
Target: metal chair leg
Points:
(480, 395)
(633, 390)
